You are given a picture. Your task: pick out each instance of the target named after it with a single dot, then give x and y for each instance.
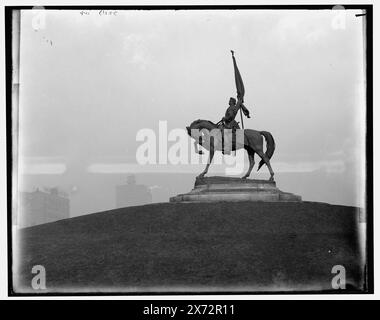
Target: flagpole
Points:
(239, 86)
(241, 117)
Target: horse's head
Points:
(194, 129)
(197, 126)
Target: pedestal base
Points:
(210, 189)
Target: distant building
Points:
(40, 207)
(132, 194)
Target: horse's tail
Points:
(271, 145)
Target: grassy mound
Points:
(245, 247)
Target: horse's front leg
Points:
(211, 155)
(196, 148)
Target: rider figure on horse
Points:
(228, 121)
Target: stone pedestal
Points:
(211, 189)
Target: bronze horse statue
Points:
(209, 135)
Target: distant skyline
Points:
(90, 82)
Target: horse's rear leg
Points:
(211, 155)
(251, 157)
(267, 162)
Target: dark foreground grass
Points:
(247, 247)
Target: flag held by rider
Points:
(240, 89)
(238, 80)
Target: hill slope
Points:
(247, 246)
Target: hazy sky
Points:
(90, 82)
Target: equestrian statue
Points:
(226, 135)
